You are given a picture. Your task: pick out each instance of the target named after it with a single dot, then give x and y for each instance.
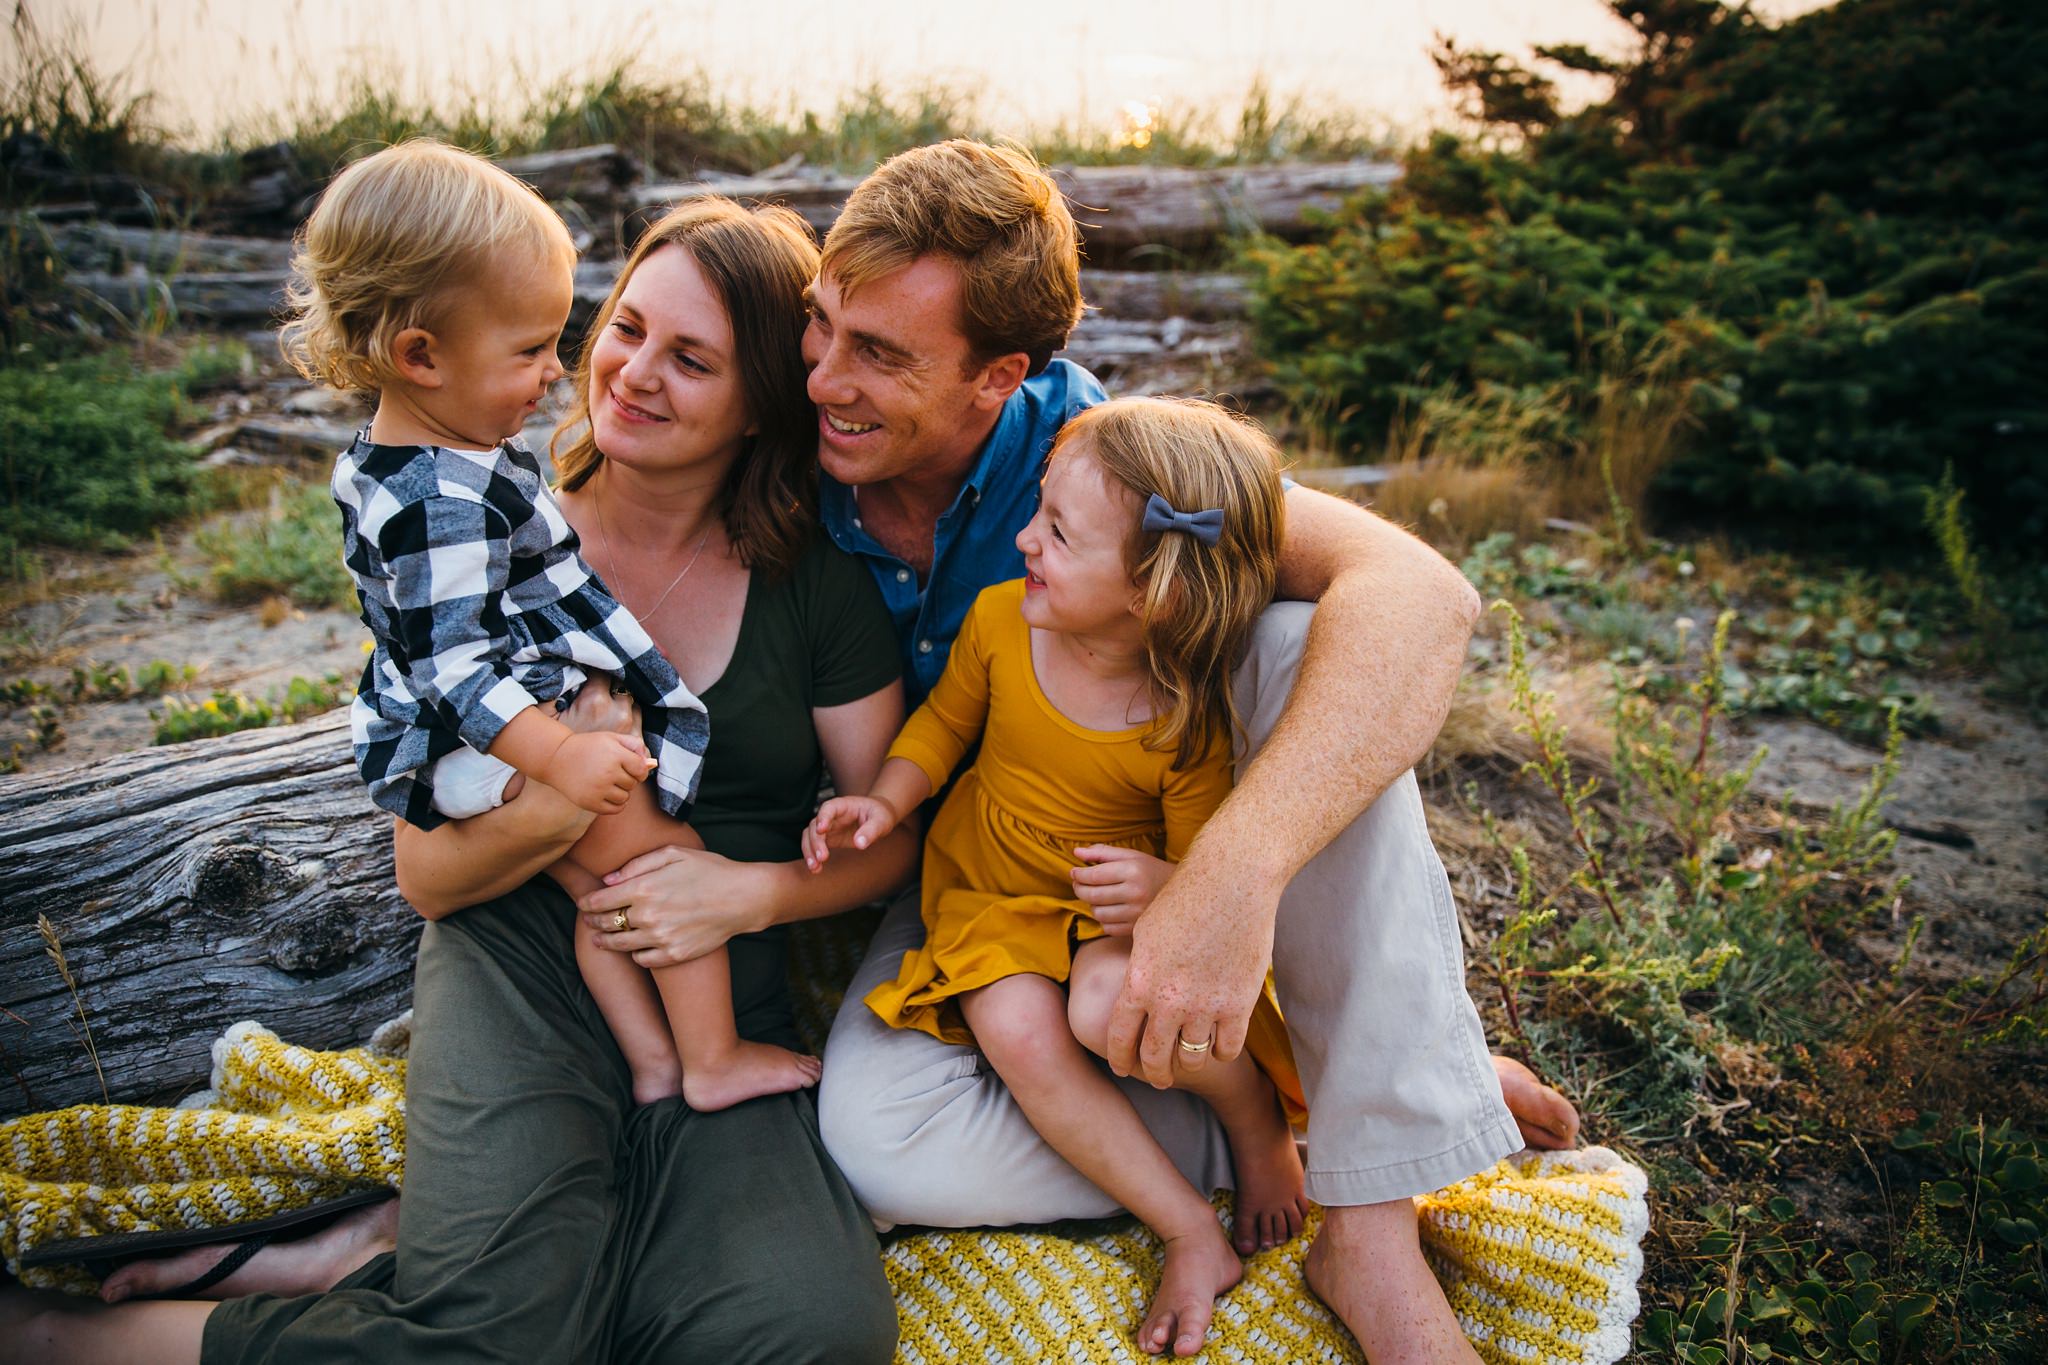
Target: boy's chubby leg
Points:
(683, 1011)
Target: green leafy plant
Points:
(292, 550)
(1837, 316)
(223, 713)
(88, 463)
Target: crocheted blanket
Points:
(1539, 1256)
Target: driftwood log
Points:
(189, 887)
(1121, 209)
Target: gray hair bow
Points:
(1205, 526)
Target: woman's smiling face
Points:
(664, 384)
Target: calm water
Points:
(215, 63)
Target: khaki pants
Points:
(546, 1219)
(1370, 974)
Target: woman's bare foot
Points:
(306, 1265)
(1546, 1118)
(1199, 1266)
(748, 1072)
(1270, 1202)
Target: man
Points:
(946, 286)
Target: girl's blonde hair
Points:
(391, 240)
(759, 261)
(1201, 601)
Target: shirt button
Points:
(924, 646)
(903, 575)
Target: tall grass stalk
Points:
(54, 946)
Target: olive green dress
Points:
(546, 1218)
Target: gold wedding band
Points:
(1197, 1048)
(620, 924)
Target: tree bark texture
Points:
(190, 887)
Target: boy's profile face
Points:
(495, 349)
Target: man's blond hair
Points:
(392, 239)
(994, 212)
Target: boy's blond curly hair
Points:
(1201, 601)
(391, 239)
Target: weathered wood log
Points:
(592, 176)
(1213, 296)
(221, 299)
(1121, 209)
(192, 886)
(166, 251)
(1106, 345)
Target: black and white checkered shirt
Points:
(472, 589)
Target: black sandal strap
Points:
(224, 1267)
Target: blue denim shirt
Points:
(977, 536)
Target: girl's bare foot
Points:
(748, 1072)
(1199, 1266)
(656, 1081)
(1546, 1118)
(1270, 1202)
(305, 1265)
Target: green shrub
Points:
(292, 550)
(87, 462)
(1836, 232)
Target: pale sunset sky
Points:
(214, 63)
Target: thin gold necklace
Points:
(604, 533)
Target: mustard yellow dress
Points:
(998, 899)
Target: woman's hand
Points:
(1117, 884)
(680, 903)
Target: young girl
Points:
(441, 283)
(1098, 687)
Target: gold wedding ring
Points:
(1197, 1048)
(620, 924)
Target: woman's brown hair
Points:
(759, 261)
(1201, 601)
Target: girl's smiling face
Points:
(1077, 576)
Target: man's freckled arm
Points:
(1377, 674)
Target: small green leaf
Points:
(1864, 1336)
(1910, 1313)
(1861, 1264)
(1946, 1194)
(2020, 1173)
(1783, 1209)
(2019, 1232)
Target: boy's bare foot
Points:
(1199, 1266)
(1546, 1118)
(306, 1265)
(748, 1072)
(1270, 1203)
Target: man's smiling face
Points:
(898, 387)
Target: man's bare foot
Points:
(1367, 1265)
(748, 1072)
(306, 1265)
(1546, 1118)
(1199, 1266)
(1270, 1203)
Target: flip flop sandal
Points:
(102, 1256)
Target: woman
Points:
(545, 1217)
